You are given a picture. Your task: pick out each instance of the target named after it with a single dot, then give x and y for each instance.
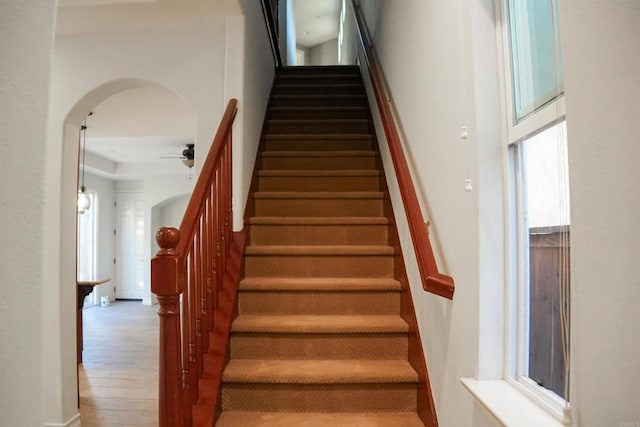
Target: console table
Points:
(85, 287)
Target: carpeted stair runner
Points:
(319, 340)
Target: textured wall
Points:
(600, 47)
(26, 40)
(440, 62)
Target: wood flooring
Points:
(118, 380)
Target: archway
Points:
(106, 174)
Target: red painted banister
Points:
(432, 280)
(187, 276)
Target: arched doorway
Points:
(134, 142)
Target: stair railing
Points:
(270, 11)
(432, 280)
(187, 276)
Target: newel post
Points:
(166, 283)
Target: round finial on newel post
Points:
(168, 239)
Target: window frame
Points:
(93, 262)
(518, 289)
(517, 266)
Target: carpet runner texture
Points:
(319, 340)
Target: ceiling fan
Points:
(187, 155)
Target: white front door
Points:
(130, 256)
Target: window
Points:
(536, 66)
(539, 250)
(86, 243)
(541, 228)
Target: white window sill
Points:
(507, 405)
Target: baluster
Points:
(213, 295)
(193, 314)
(222, 185)
(167, 284)
(219, 230)
(230, 192)
(197, 312)
(186, 347)
(227, 200)
(206, 291)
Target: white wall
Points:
(257, 76)
(600, 48)
(167, 214)
(173, 211)
(323, 54)
(26, 39)
(348, 47)
(157, 191)
(429, 51)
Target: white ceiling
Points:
(72, 3)
(316, 21)
(104, 16)
(138, 127)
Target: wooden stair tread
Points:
(306, 85)
(345, 153)
(319, 284)
(323, 136)
(327, 121)
(319, 250)
(321, 108)
(323, 69)
(319, 173)
(339, 74)
(322, 220)
(319, 419)
(319, 324)
(320, 95)
(319, 371)
(318, 195)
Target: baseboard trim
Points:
(72, 422)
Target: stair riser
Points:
(318, 346)
(319, 266)
(317, 127)
(318, 207)
(319, 398)
(321, 303)
(318, 114)
(318, 163)
(319, 234)
(318, 89)
(319, 101)
(315, 183)
(301, 144)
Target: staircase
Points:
(319, 339)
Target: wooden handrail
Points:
(271, 20)
(432, 280)
(187, 276)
